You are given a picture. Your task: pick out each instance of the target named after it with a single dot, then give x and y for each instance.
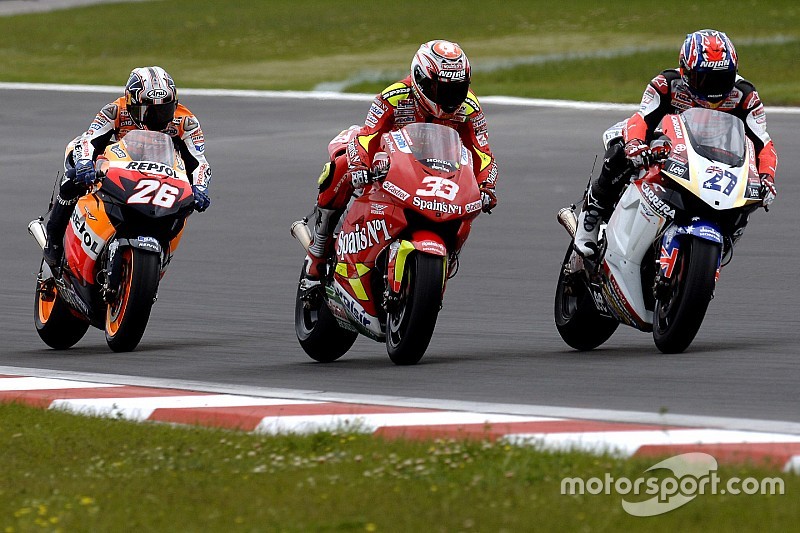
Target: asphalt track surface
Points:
(225, 308)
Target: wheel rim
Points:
(310, 318)
(116, 310)
(45, 305)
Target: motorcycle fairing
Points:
(719, 184)
(88, 232)
(351, 314)
(634, 225)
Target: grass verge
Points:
(580, 50)
(62, 472)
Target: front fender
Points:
(671, 241)
(423, 241)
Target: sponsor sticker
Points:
(394, 190)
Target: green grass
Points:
(70, 473)
(281, 44)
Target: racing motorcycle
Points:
(117, 246)
(673, 228)
(396, 247)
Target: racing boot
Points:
(593, 213)
(56, 227)
(321, 241)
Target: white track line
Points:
(355, 97)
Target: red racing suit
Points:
(667, 94)
(113, 122)
(392, 109)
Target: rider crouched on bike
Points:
(437, 91)
(708, 78)
(150, 103)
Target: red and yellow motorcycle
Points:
(117, 246)
(397, 246)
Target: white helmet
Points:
(151, 98)
(440, 75)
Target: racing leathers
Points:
(110, 125)
(668, 94)
(395, 107)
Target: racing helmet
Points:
(440, 76)
(151, 98)
(708, 64)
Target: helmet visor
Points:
(155, 117)
(451, 94)
(713, 85)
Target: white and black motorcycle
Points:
(672, 229)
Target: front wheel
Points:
(578, 321)
(55, 322)
(318, 331)
(127, 315)
(678, 317)
(409, 326)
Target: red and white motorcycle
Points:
(396, 248)
(662, 249)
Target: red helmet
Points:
(151, 98)
(440, 75)
(708, 64)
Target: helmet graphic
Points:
(440, 75)
(708, 64)
(151, 98)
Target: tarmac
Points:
(19, 7)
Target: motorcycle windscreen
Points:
(435, 146)
(144, 145)
(716, 135)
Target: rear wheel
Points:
(318, 331)
(55, 322)
(127, 315)
(410, 325)
(679, 315)
(578, 321)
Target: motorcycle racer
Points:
(438, 91)
(150, 103)
(707, 77)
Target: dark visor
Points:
(154, 116)
(713, 85)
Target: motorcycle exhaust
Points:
(301, 232)
(37, 231)
(566, 217)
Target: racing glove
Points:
(84, 173)
(638, 153)
(660, 149)
(201, 199)
(768, 191)
(380, 169)
(488, 197)
(361, 177)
